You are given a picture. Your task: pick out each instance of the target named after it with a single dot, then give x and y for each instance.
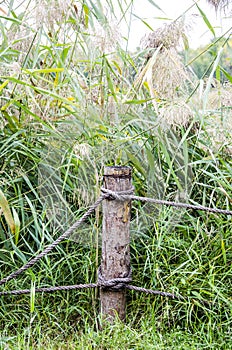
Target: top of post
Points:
(118, 171)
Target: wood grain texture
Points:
(115, 241)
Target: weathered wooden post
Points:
(115, 241)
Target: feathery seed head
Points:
(168, 74)
(175, 114)
(167, 36)
(50, 12)
(219, 3)
(106, 38)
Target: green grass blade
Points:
(4, 205)
(205, 19)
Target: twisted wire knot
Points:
(114, 284)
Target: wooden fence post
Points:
(115, 241)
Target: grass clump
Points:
(71, 102)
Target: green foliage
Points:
(72, 102)
(201, 59)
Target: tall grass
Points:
(73, 99)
